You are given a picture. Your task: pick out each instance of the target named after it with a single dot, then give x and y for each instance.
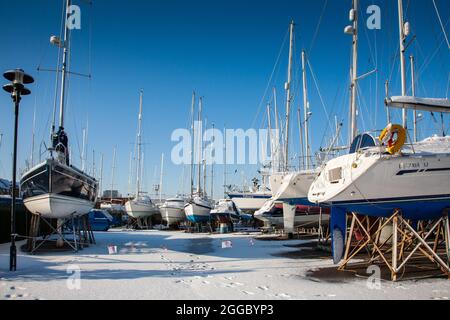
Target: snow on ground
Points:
(176, 265)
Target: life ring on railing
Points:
(387, 136)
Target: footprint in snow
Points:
(206, 282)
(263, 288)
(248, 292)
(283, 295)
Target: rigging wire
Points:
(440, 22)
(270, 79)
(316, 32)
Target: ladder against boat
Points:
(398, 243)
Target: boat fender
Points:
(387, 137)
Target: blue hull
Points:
(414, 209)
(197, 218)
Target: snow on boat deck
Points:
(175, 265)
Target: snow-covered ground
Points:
(176, 265)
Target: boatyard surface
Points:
(176, 265)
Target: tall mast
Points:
(66, 48)
(269, 128)
(199, 139)
(306, 112)
(277, 138)
(300, 134)
(402, 57)
(139, 142)
(413, 86)
(354, 70)
(288, 97)
(161, 178)
(192, 142)
(212, 166)
(204, 160)
(225, 163)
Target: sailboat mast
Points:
(139, 142)
(306, 112)
(402, 57)
(225, 163)
(354, 72)
(66, 48)
(212, 165)
(192, 142)
(204, 159)
(277, 137)
(288, 97)
(199, 139)
(413, 88)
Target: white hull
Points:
(295, 186)
(52, 206)
(250, 202)
(197, 212)
(140, 210)
(172, 215)
(374, 178)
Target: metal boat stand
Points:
(139, 223)
(81, 231)
(408, 242)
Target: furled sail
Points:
(425, 104)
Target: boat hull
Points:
(172, 215)
(138, 210)
(53, 206)
(197, 213)
(418, 186)
(56, 191)
(248, 201)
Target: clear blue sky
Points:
(225, 50)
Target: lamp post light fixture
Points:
(17, 89)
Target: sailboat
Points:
(55, 188)
(291, 187)
(375, 179)
(198, 207)
(141, 206)
(172, 211)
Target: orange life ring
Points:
(387, 136)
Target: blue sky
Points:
(226, 51)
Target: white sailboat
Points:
(374, 179)
(141, 206)
(172, 210)
(55, 188)
(198, 207)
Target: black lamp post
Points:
(17, 89)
